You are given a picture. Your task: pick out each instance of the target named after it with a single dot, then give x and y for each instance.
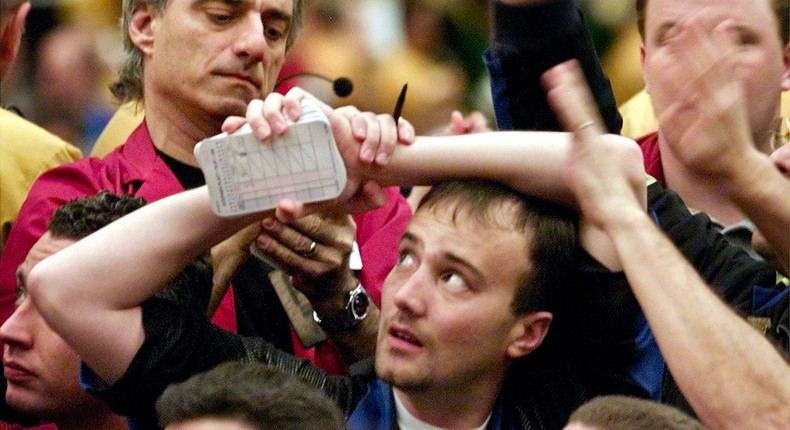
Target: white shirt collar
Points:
(407, 421)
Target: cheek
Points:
(469, 329)
(654, 67)
(61, 361)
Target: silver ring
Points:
(311, 251)
(585, 124)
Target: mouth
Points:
(15, 372)
(404, 336)
(246, 77)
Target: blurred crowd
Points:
(70, 53)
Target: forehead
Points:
(493, 246)
(755, 12)
(46, 246)
(284, 6)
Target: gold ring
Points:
(585, 124)
(311, 251)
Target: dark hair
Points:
(553, 244)
(628, 413)
(253, 393)
(82, 216)
(780, 7)
(129, 86)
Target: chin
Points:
(406, 381)
(25, 401)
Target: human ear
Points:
(786, 73)
(141, 28)
(11, 35)
(642, 63)
(528, 333)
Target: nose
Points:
(410, 295)
(251, 42)
(16, 331)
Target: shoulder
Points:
(32, 147)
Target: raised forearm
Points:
(699, 335)
(530, 162)
(131, 260)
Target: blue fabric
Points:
(765, 299)
(376, 411)
(499, 92)
(648, 371)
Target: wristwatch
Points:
(357, 306)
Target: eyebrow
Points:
(276, 13)
(410, 237)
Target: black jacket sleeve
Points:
(529, 40)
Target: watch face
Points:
(359, 305)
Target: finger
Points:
(370, 143)
(300, 233)
(273, 114)
(406, 133)
(233, 123)
(349, 112)
(285, 257)
(289, 237)
(294, 109)
(388, 140)
(457, 125)
(359, 128)
(254, 116)
(289, 210)
(571, 99)
(373, 196)
(478, 123)
(292, 103)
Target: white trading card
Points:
(246, 175)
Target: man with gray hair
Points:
(193, 63)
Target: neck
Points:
(467, 407)
(176, 129)
(106, 420)
(698, 192)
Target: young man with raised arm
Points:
(457, 321)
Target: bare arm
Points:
(732, 376)
(92, 291)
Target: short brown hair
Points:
(781, 9)
(253, 393)
(628, 413)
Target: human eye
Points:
(406, 258)
(219, 13)
(275, 31)
(747, 38)
(219, 17)
(454, 282)
(21, 295)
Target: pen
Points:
(399, 103)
